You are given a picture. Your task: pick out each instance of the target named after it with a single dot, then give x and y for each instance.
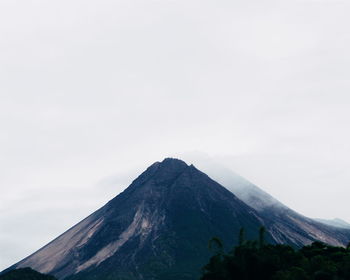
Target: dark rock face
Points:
(158, 228)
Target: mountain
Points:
(25, 274)
(284, 224)
(158, 228)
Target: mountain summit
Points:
(158, 228)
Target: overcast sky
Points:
(92, 92)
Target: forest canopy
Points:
(25, 274)
(253, 260)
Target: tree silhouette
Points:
(215, 245)
(252, 260)
(241, 237)
(262, 232)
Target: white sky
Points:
(92, 92)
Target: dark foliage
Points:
(256, 260)
(25, 274)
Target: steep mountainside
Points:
(158, 228)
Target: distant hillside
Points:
(335, 222)
(25, 274)
(284, 224)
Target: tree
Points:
(215, 245)
(241, 237)
(262, 232)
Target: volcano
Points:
(158, 228)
